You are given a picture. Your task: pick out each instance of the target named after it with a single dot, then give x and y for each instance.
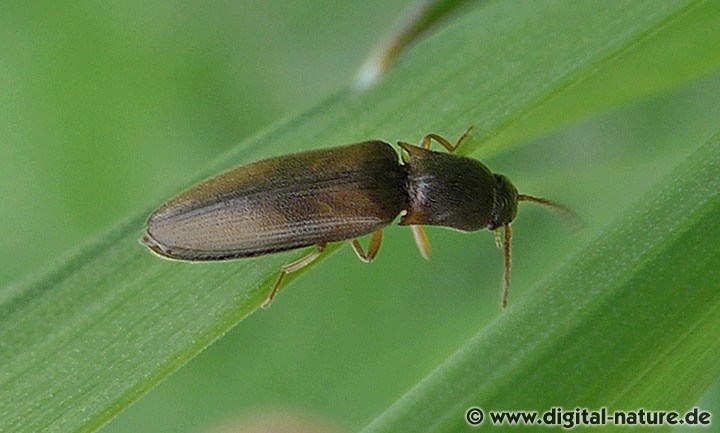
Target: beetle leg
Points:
(498, 240)
(403, 153)
(292, 267)
(373, 247)
(451, 147)
(506, 271)
(422, 241)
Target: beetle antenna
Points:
(571, 217)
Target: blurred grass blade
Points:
(82, 341)
(649, 282)
(682, 49)
(413, 24)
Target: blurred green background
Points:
(107, 108)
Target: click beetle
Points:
(330, 195)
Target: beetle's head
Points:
(505, 206)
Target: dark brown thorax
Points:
(453, 191)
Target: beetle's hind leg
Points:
(292, 267)
(451, 147)
(373, 247)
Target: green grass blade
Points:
(83, 340)
(680, 50)
(649, 282)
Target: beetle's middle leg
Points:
(292, 267)
(373, 247)
(451, 147)
(422, 241)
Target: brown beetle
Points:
(332, 195)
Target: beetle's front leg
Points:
(373, 247)
(451, 147)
